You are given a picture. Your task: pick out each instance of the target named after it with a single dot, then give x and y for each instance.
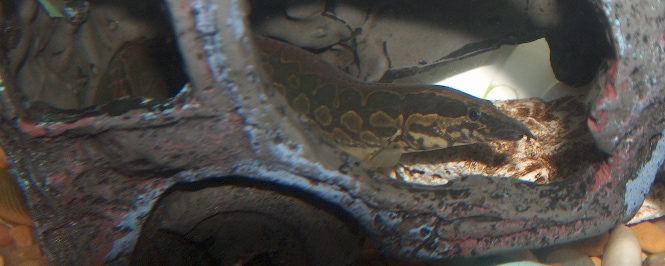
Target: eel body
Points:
(376, 123)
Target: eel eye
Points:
(474, 114)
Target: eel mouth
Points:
(514, 134)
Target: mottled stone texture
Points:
(92, 180)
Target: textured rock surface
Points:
(92, 179)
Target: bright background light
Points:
(510, 72)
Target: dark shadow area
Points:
(248, 222)
(119, 51)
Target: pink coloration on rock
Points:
(609, 93)
(602, 177)
(32, 129)
(50, 130)
(598, 124)
(612, 75)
